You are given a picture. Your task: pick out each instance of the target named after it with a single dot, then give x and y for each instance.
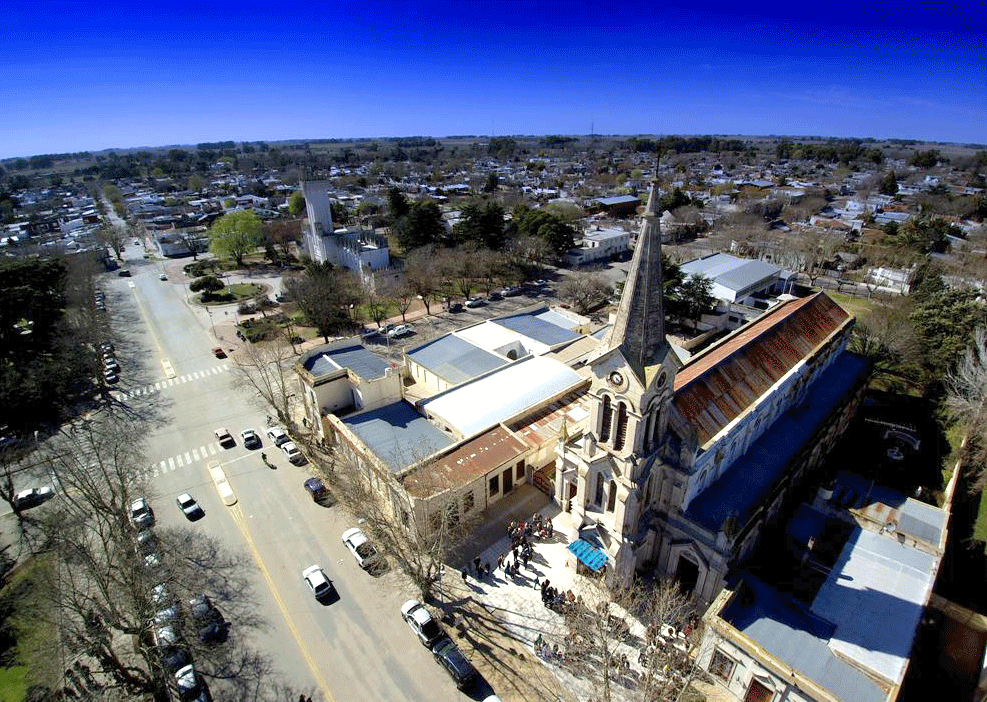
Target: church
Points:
(662, 463)
(682, 464)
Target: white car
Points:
(191, 686)
(224, 437)
(163, 276)
(277, 435)
(474, 302)
(292, 452)
(141, 514)
(421, 622)
(399, 330)
(364, 553)
(317, 580)
(250, 439)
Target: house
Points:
(599, 244)
(356, 249)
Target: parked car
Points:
(455, 307)
(110, 376)
(107, 347)
(171, 615)
(511, 291)
(277, 435)
(363, 551)
(141, 514)
(145, 542)
(421, 622)
(250, 439)
(218, 352)
(456, 664)
(32, 497)
(475, 302)
(398, 331)
(208, 620)
(494, 295)
(110, 363)
(224, 437)
(319, 492)
(163, 276)
(316, 579)
(160, 594)
(190, 685)
(123, 273)
(292, 452)
(189, 506)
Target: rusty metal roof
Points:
(545, 423)
(714, 388)
(464, 464)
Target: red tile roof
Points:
(715, 388)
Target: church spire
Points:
(639, 329)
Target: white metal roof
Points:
(481, 404)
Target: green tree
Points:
(559, 235)
(422, 225)
(296, 205)
(493, 182)
(694, 298)
(397, 205)
(235, 235)
(927, 235)
(483, 225)
(340, 212)
(888, 184)
(945, 322)
(208, 283)
(925, 159)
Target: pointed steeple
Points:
(639, 330)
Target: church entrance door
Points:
(687, 573)
(508, 480)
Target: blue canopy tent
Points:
(588, 554)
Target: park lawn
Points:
(13, 686)
(857, 306)
(242, 291)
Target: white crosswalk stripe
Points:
(195, 453)
(178, 460)
(121, 394)
(212, 450)
(186, 459)
(171, 464)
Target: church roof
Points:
(714, 388)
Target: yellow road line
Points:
(165, 363)
(240, 521)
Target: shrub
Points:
(199, 268)
(208, 283)
(246, 308)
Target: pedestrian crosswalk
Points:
(183, 460)
(152, 388)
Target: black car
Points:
(452, 659)
(123, 273)
(318, 491)
(208, 620)
(456, 307)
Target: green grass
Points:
(13, 686)
(857, 306)
(980, 526)
(242, 291)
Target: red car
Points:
(218, 352)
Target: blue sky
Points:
(87, 76)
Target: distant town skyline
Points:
(87, 78)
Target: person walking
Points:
(465, 573)
(486, 570)
(476, 565)
(524, 558)
(500, 562)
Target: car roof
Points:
(421, 615)
(185, 497)
(313, 483)
(355, 536)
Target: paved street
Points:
(355, 648)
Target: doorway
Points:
(508, 480)
(687, 574)
(572, 494)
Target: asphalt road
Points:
(356, 648)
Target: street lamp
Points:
(213, 326)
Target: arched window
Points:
(621, 434)
(607, 419)
(656, 427)
(612, 497)
(648, 425)
(599, 489)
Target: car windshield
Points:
(430, 629)
(365, 550)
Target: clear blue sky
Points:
(93, 75)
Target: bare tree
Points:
(421, 272)
(377, 301)
(267, 370)
(113, 236)
(401, 295)
(193, 242)
(966, 400)
(419, 540)
(584, 291)
(632, 643)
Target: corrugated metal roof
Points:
(397, 434)
(617, 200)
(875, 594)
(465, 464)
(480, 404)
(714, 388)
(546, 422)
(798, 638)
(731, 272)
(454, 359)
(356, 357)
(534, 327)
(744, 485)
